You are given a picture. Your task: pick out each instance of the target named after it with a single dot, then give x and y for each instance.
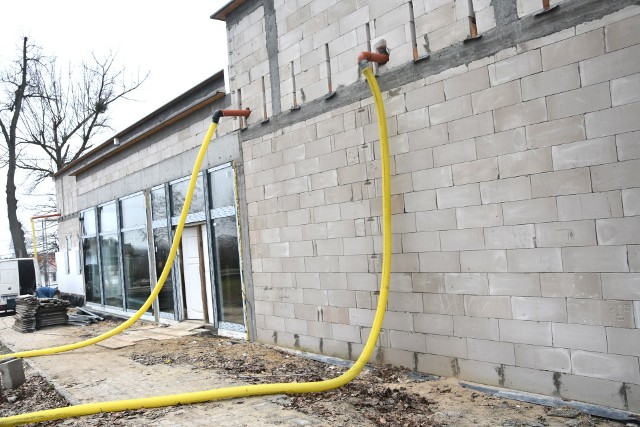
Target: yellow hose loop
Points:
(259, 389)
(163, 277)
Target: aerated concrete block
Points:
(12, 374)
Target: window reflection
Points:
(91, 272)
(158, 203)
(222, 188)
(111, 270)
(179, 193)
(136, 268)
(89, 223)
(108, 218)
(161, 247)
(134, 212)
(228, 270)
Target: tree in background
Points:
(48, 118)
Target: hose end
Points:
(230, 113)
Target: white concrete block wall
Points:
(516, 215)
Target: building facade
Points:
(515, 145)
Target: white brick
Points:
(534, 260)
(460, 240)
(628, 145)
(444, 219)
(543, 358)
(572, 285)
(625, 90)
(448, 35)
(450, 110)
(595, 259)
(466, 283)
(605, 366)
(600, 69)
(458, 196)
(427, 137)
(413, 120)
(479, 216)
(420, 242)
(514, 284)
(505, 190)
(466, 83)
(447, 346)
(622, 34)
(530, 211)
(559, 183)
(443, 304)
(579, 101)
(455, 152)
(425, 96)
(475, 171)
(487, 306)
(515, 67)
(491, 351)
(435, 19)
(631, 201)
(470, 127)
(413, 161)
(601, 312)
(525, 113)
(613, 120)
(550, 82)
(623, 286)
(584, 153)
(433, 324)
(440, 262)
(556, 132)
(569, 233)
(525, 163)
(580, 337)
(510, 141)
(525, 332)
(539, 309)
(496, 97)
(476, 327)
(572, 50)
(615, 176)
(623, 341)
(590, 206)
(420, 201)
(510, 237)
(483, 261)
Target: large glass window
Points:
(161, 246)
(109, 254)
(135, 251)
(90, 257)
(179, 193)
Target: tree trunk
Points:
(15, 227)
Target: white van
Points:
(17, 277)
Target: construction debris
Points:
(83, 317)
(33, 313)
(26, 307)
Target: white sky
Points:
(175, 41)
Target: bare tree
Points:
(19, 82)
(48, 118)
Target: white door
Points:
(191, 263)
(207, 271)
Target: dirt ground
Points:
(380, 396)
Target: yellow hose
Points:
(248, 390)
(165, 272)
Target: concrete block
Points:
(437, 324)
(623, 341)
(440, 262)
(572, 181)
(614, 313)
(625, 90)
(420, 201)
(487, 306)
(522, 114)
(592, 390)
(443, 304)
(450, 110)
(571, 285)
(421, 242)
(525, 163)
(622, 286)
(550, 82)
(428, 137)
(631, 201)
(530, 211)
(590, 206)
(483, 261)
(12, 374)
(600, 69)
(510, 237)
(428, 282)
(574, 49)
(622, 34)
(432, 178)
(425, 96)
(584, 153)
(446, 346)
(543, 358)
(525, 332)
(505, 190)
(496, 97)
(491, 351)
(469, 127)
(448, 35)
(456, 152)
(469, 82)
(413, 120)
(579, 337)
(618, 231)
(461, 240)
(511, 141)
(458, 196)
(479, 216)
(619, 175)
(443, 219)
(475, 171)
(633, 253)
(466, 283)
(569, 233)
(534, 260)
(514, 284)
(539, 309)
(476, 327)
(628, 146)
(556, 132)
(515, 67)
(595, 259)
(479, 372)
(612, 121)
(606, 366)
(579, 101)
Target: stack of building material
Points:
(51, 312)
(26, 308)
